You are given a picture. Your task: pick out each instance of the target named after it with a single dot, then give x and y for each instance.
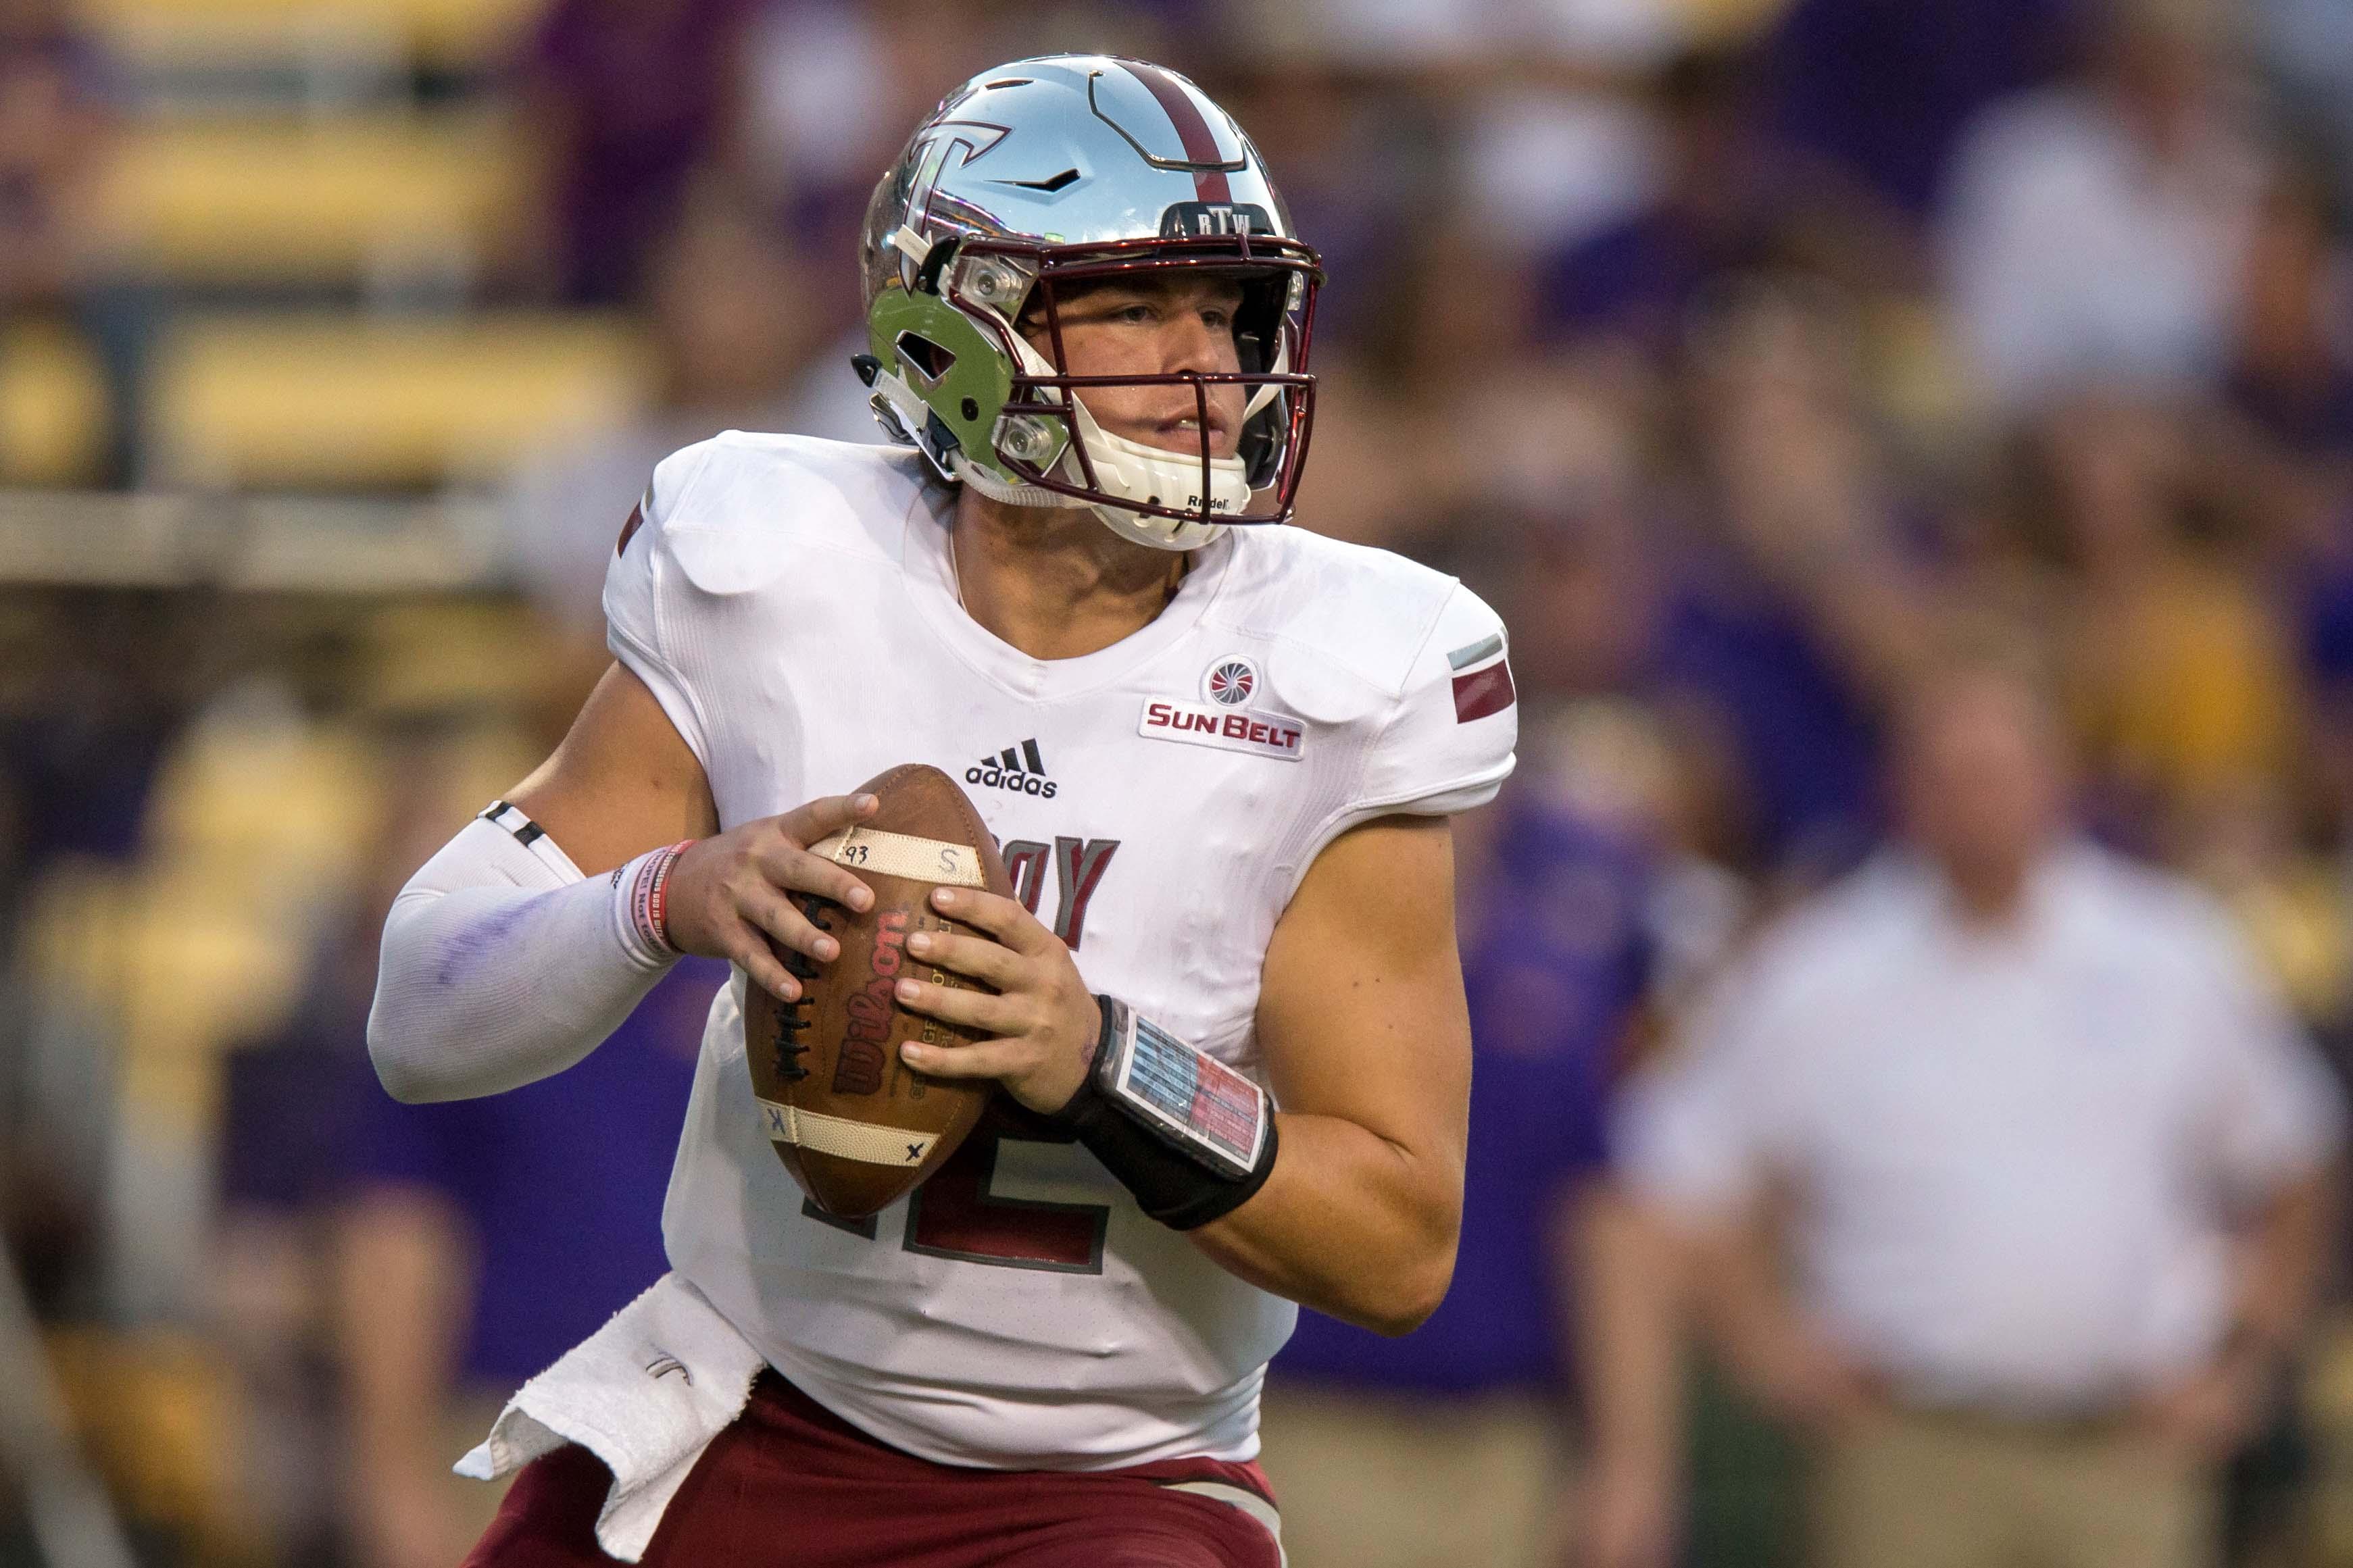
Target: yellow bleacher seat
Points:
(158, 1412)
(210, 33)
(53, 417)
(333, 402)
(297, 201)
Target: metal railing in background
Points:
(244, 543)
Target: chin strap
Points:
(1003, 492)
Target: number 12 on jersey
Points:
(957, 1214)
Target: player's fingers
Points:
(776, 915)
(827, 815)
(1002, 918)
(984, 1058)
(744, 947)
(972, 1009)
(973, 957)
(788, 865)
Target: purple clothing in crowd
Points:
(1555, 960)
(1799, 732)
(563, 1179)
(642, 89)
(1883, 88)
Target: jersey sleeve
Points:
(638, 581)
(1446, 745)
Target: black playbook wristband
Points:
(1170, 1186)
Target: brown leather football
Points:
(854, 1124)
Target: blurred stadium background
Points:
(1735, 348)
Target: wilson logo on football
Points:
(1017, 768)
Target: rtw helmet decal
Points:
(1054, 174)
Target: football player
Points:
(1219, 754)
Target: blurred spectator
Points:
(1357, 161)
(1719, 206)
(626, 98)
(1730, 198)
(286, 1138)
(484, 1239)
(2305, 50)
(1883, 91)
(385, 1275)
(829, 90)
(58, 104)
(2290, 369)
(52, 129)
(1738, 564)
(1474, 37)
(1452, 1444)
(1796, 604)
(2092, 231)
(2049, 1155)
(2178, 676)
(740, 348)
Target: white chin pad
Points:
(1155, 475)
(1136, 472)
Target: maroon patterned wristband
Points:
(649, 896)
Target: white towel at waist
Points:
(646, 1393)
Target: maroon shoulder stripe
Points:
(1200, 143)
(629, 528)
(1484, 692)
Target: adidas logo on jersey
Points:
(1017, 768)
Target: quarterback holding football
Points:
(1204, 981)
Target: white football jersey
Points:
(793, 605)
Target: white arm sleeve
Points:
(502, 964)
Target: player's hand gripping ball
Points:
(826, 913)
(1039, 1022)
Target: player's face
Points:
(1153, 326)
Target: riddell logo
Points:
(1017, 768)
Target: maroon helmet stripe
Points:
(1192, 130)
(1484, 692)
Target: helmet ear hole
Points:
(928, 360)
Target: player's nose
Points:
(1190, 344)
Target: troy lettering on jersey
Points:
(1078, 867)
(1230, 730)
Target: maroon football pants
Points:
(791, 1485)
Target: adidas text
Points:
(1017, 768)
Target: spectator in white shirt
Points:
(2092, 231)
(2050, 1163)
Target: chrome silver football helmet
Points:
(1028, 182)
